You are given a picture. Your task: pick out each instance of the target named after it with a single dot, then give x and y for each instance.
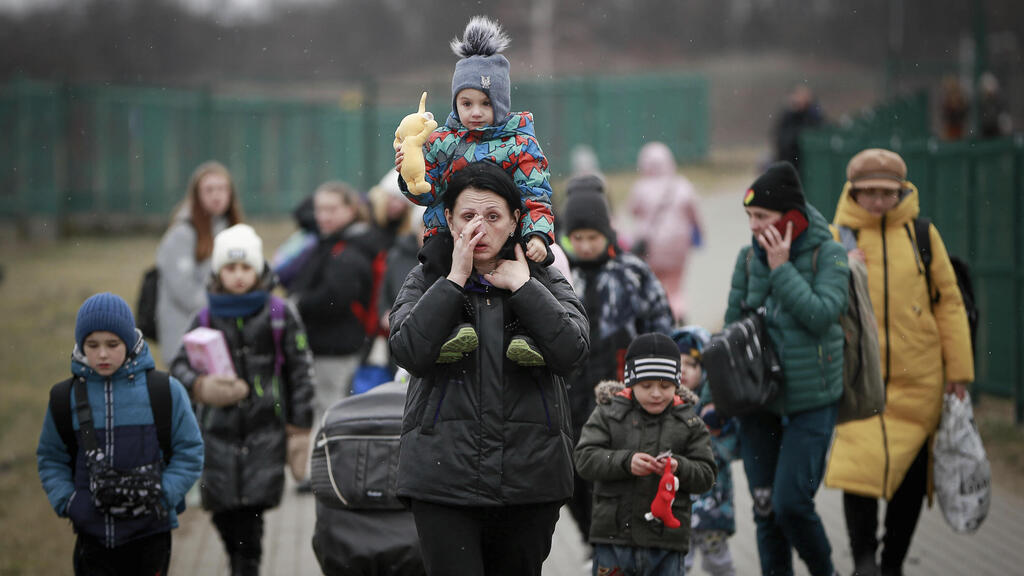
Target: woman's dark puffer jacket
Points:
(485, 431)
(246, 444)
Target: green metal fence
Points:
(974, 192)
(75, 150)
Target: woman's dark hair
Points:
(483, 175)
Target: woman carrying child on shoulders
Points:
(485, 447)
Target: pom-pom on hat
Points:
(482, 66)
(106, 312)
(586, 206)
(652, 356)
(877, 168)
(777, 189)
(239, 243)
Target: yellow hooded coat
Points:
(923, 345)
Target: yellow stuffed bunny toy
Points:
(410, 136)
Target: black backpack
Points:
(145, 307)
(960, 269)
(742, 365)
(159, 386)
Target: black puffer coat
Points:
(246, 444)
(485, 431)
(337, 279)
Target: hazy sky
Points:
(230, 8)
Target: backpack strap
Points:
(159, 385)
(86, 429)
(922, 238)
(60, 411)
(277, 325)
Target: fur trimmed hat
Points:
(482, 66)
(652, 356)
(777, 189)
(239, 243)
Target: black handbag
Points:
(742, 366)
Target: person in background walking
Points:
(666, 220)
(389, 211)
(925, 350)
(211, 204)
(802, 111)
(797, 272)
(622, 298)
(954, 109)
(257, 420)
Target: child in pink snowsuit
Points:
(666, 220)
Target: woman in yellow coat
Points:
(925, 350)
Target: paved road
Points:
(996, 549)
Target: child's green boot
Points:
(462, 340)
(523, 351)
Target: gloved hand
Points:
(219, 391)
(298, 451)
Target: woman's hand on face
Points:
(511, 274)
(462, 254)
(776, 245)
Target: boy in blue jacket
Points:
(117, 487)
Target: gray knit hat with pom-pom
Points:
(482, 66)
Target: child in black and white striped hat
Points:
(630, 439)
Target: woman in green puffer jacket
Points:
(801, 277)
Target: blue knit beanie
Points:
(106, 312)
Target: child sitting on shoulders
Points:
(482, 127)
(619, 451)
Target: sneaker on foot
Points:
(462, 340)
(524, 352)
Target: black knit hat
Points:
(652, 356)
(777, 189)
(586, 206)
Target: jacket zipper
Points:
(108, 424)
(885, 285)
(888, 352)
(240, 456)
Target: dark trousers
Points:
(478, 541)
(241, 529)
(784, 458)
(901, 515)
(142, 557)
